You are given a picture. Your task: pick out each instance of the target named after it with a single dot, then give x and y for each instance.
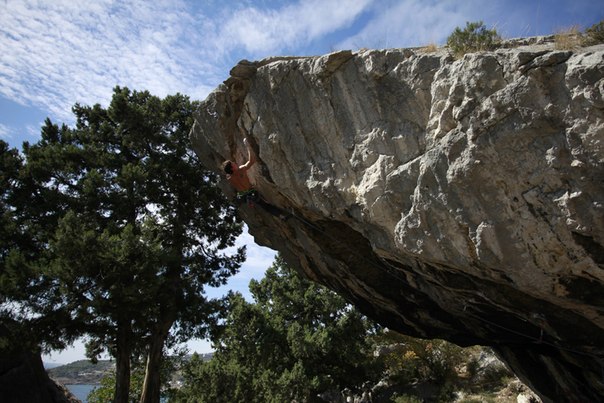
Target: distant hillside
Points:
(49, 365)
(81, 372)
(84, 372)
(203, 356)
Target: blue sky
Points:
(55, 53)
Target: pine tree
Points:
(136, 228)
(297, 340)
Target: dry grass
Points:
(430, 48)
(568, 38)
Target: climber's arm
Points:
(251, 158)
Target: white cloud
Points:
(28, 132)
(62, 52)
(407, 23)
(33, 131)
(258, 258)
(261, 32)
(57, 53)
(5, 132)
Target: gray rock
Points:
(23, 379)
(458, 199)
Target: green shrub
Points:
(105, 391)
(406, 399)
(594, 34)
(416, 360)
(474, 37)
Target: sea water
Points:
(81, 392)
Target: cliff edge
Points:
(454, 199)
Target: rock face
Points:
(23, 379)
(455, 199)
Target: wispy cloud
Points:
(57, 53)
(29, 132)
(406, 23)
(258, 259)
(263, 31)
(33, 131)
(61, 52)
(5, 132)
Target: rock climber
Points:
(237, 177)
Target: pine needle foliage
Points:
(594, 35)
(475, 37)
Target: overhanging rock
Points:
(458, 199)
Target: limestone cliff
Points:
(455, 199)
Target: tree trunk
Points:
(152, 383)
(122, 365)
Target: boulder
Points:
(455, 199)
